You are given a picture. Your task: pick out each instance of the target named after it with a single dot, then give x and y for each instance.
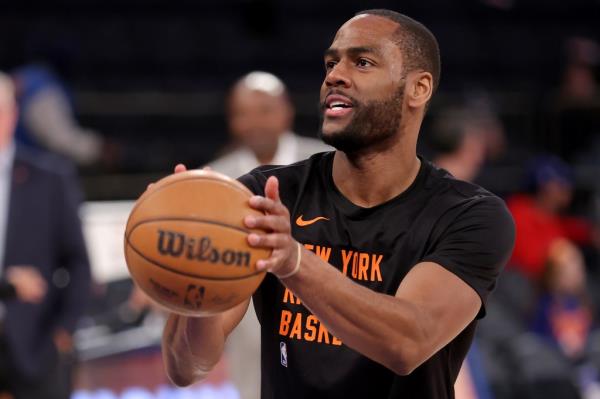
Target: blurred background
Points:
(126, 89)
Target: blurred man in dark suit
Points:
(44, 268)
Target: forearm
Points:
(192, 347)
(381, 327)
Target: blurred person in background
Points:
(564, 316)
(572, 125)
(260, 118)
(47, 120)
(459, 143)
(44, 266)
(539, 215)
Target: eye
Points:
(363, 63)
(330, 64)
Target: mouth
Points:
(337, 106)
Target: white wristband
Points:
(297, 267)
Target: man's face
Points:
(362, 94)
(257, 119)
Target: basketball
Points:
(186, 243)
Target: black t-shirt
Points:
(458, 225)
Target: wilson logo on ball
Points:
(176, 244)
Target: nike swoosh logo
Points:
(303, 223)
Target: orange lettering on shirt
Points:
(310, 247)
(297, 327)
(375, 271)
(346, 256)
(288, 297)
(323, 334)
(311, 332)
(335, 340)
(284, 325)
(323, 252)
(363, 266)
(355, 265)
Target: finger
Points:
(180, 168)
(274, 240)
(274, 264)
(270, 222)
(266, 264)
(268, 205)
(207, 168)
(149, 186)
(272, 189)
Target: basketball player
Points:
(381, 263)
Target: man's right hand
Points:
(29, 284)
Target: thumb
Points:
(180, 168)
(272, 189)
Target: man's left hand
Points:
(277, 236)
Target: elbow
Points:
(402, 364)
(404, 358)
(183, 380)
(179, 380)
(403, 369)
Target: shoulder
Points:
(290, 175)
(460, 200)
(453, 191)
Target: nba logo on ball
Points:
(283, 351)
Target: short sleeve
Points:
(255, 181)
(476, 244)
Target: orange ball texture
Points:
(186, 243)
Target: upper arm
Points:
(475, 245)
(449, 287)
(443, 304)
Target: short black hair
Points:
(418, 45)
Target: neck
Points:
(372, 177)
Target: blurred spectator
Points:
(44, 271)
(459, 143)
(260, 120)
(564, 315)
(260, 117)
(46, 117)
(572, 122)
(579, 84)
(539, 215)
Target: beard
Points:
(373, 124)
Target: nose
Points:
(337, 76)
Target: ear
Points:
(419, 88)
